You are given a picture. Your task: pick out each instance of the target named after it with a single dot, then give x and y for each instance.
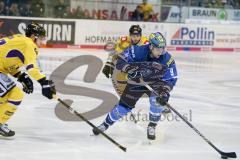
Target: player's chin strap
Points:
(71, 110)
(224, 155)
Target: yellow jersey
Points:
(19, 51)
(125, 42)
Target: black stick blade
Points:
(123, 148)
(229, 155)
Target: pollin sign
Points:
(189, 36)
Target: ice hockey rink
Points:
(207, 92)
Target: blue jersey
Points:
(142, 54)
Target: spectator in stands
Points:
(79, 12)
(215, 4)
(227, 4)
(237, 6)
(199, 3)
(38, 8)
(21, 10)
(59, 9)
(68, 13)
(26, 11)
(8, 3)
(13, 10)
(183, 3)
(137, 14)
(7, 11)
(146, 10)
(2, 8)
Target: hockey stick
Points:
(92, 125)
(224, 155)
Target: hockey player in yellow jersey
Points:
(119, 78)
(16, 52)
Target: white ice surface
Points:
(208, 85)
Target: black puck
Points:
(224, 157)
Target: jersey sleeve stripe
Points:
(16, 103)
(16, 53)
(29, 66)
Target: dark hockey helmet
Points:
(135, 30)
(35, 29)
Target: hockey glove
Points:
(48, 88)
(135, 76)
(26, 82)
(108, 69)
(133, 73)
(164, 95)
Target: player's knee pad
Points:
(116, 113)
(15, 96)
(12, 99)
(155, 110)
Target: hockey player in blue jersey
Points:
(156, 67)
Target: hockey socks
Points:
(155, 111)
(116, 113)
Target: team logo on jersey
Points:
(196, 36)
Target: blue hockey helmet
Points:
(157, 40)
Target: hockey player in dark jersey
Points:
(155, 66)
